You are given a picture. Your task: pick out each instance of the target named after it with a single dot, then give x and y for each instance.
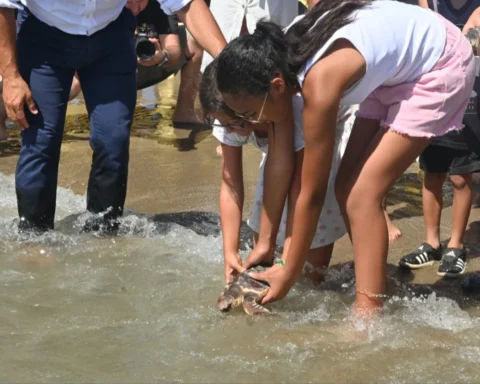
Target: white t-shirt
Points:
(399, 42)
(236, 140)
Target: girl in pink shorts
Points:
(412, 73)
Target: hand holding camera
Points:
(148, 48)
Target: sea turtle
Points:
(473, 36)
(244, 289)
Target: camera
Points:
(144, 48)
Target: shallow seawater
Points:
(140, 308)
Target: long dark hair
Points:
(210, 97)
(249, 63)
(305, 37)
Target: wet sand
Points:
(169, 174)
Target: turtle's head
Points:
(225, 302)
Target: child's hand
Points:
(233, 266)
(473, 21)
(280, 279)
(259, 255)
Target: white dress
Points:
(331, 226)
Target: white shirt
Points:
(399, 43)
(235, 140)
(82, 17)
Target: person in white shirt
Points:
(54, 40)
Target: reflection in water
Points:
(141, 308)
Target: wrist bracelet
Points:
(279, 262)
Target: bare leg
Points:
(319, 259)
(383, 162)
(189, 83)
(393, 231)
(3, 116)
(363, 133)
(432, 196)
(462, 203)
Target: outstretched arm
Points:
(199, 21)
(277, 178)
(231, 206)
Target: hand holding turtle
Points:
(280, 278)
(233, 265)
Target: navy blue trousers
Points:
(106, 65)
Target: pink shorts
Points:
(435, 103)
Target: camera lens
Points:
(144, 48)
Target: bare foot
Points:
(314, 275)
(393, 231)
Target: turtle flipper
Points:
(251, 306)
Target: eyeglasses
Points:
(209, 120)
(255, 121)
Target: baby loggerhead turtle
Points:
(244, 289)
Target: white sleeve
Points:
(169, 6)
(227, 138)
(10, 4)
(298, 138)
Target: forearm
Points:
(231, 206)
(307, 214)
(276, 183)
(200, 23)
(293, 195)
(423, 3)
(8, 60)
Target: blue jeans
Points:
(106, 66)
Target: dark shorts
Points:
(438, 159)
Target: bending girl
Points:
(277, 138)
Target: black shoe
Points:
(454, 262)
(423, 256)
(101, 226)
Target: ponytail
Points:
(249, 63)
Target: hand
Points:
(259, 255)
(233, 266)
(157, 58)
(280, 279)
(15, 95)
(136, 6)
(472, 22)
